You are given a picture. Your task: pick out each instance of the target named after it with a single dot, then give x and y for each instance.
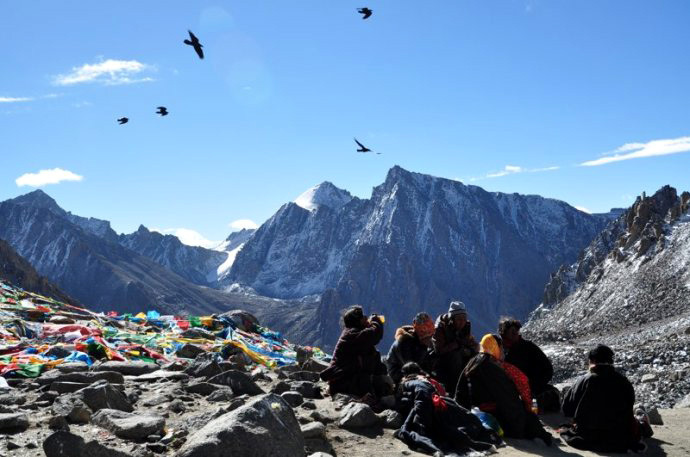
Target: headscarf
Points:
(489, 344)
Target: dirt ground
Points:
(670, 439)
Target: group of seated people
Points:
(459, 395)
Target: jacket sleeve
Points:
(394, 363)
(439, 341)
(542, 365)
(572, 398)
(370, 336)
(521, 382)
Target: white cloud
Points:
(45, 177)
(513, 169)
(188, 236)
(109, 72)
(583, 209)
(243, 224)
(639, 150)
(15, 99)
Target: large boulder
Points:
(102, 394)
(357, 415)
(204, 365)
(266, 426)
(129, 425)
(89, 377)
(13, 421)
(73, 408)
(66, 444)
(159, 375)
(240, 382)
(189, 351)
(127, 368)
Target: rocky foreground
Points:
(214, 408)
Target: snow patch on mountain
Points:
(325, 194)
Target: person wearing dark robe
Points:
(601, 405)
(356, 367)
(412, 344)
(453, 344)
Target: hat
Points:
(457, 307)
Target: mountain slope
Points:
(15, 269)
(417, 243)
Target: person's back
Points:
(601, 405)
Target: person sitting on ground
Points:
(601, 405)
(485, 384)
(532, 361)
(436, 423)
(356, 367)
(453, 344)
(412, 344)
(493, 345)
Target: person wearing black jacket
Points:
(412, 344)
(356, 367)
(601, 405)
(453, 344)
(525, 355)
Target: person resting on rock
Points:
(356, 367)
(601, 405)
(486, 383)
(532, 361)
(453, 344)
(412, 344)
(434, 422)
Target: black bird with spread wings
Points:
(362, 148)
(162, 110)
(194, 42)
(365, 12)
(123, 120)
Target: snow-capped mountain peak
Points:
(325, 194)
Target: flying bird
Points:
(123, 120)
(194, 42)
(162, 110)
(365, 12)
(362, 148)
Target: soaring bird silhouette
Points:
(162, 110)
(195, 44)
(362, 148)
(123, 120)
(365, 12)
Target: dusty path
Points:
(671, 439)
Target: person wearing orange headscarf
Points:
(491, 344)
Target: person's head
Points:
(600, 355)
(458, 314)
(423, 327)
(410, 368)
(491, 344)
(354, 317)
(509, 329)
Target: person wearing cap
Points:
(486, 383)
(453, 344)
(412, 344)
(356, 367)
(532, 361)
(601, 405)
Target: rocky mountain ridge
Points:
(417, 243)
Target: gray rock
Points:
(649, 377)
(322, 416)
(307, 388)
(73, 408)
(265, 426)
(63, 387)
(189, 351)
(205, 365)
(102, 394)
(58, 423)
(128, 425)
(293, 399)
(313, 430)
(280, 387)
(159, 375)
(72, 367)
(654, 416)
(357, 415)
(684, 403)
(12, 398)
(304, 376)
(201, 388)
(222, 394)
(155, 399)
(238, 381)
(177, 406)
(66, 444)
(90, 377)
(127, 368)
(308, 405)
(391, 419)
(320, 454)
(314, 365)
(13, 421)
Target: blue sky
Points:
(513, 96)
